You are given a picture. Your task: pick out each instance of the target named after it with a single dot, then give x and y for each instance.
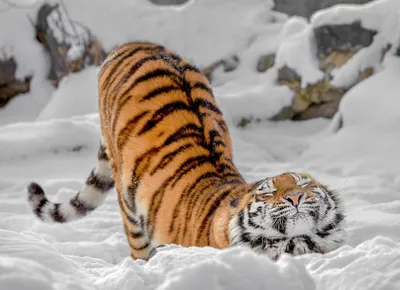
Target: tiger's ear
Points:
(266, 187)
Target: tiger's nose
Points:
(294, 198)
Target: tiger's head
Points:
(289, 213)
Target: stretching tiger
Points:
(167, 150)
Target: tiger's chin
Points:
(296, 234)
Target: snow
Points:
(6, 53)
(57, 146)
(370, 14)
(75, 88)
(381, 16)
(300, 43)
(188, 29)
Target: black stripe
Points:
(144, 246)
(147, 76)
(279, 224)
(159, 72)
(290, 247)
(204, 87)
(175, 57)
(56, 215)
(195, 194)
(158, 195)
(136, 235)
(312, 246)
(322, 234)
(220, 143)
(189, 193)
(101, 154)
(131, 219)
(215, 205)
(39, 207)
(129, 127)
(191, 67)
(188, 165)
(165, 111)
(206, 104)
(158, 91)
(338, 218)
(253, 224)
(260, 241)
(121, 58)
(134, 68)
(102, 184)
(144, 158)
(222, 125)
(35, 189)
(223, 167)
(189, 130)
(131, 194)
(169, 157)
(80, 206)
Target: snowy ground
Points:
(361, 161)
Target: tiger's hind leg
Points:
(92, 195)
(135, 223)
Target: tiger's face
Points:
(290, 213)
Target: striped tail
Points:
(92, 195)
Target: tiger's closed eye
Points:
(266, 188)
(304, 182)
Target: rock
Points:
(287, 74)
(335, 59)
(323, 110)
(306, 8)
(10, 86)
(265, 62)
(336, 45)
(365, 74)
(286, 113)
(317, 93)
(8, 68)
(74, 37)
(344, 37)
(228, 64)
(12, 89)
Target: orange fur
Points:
(173, 212)
(171, 190)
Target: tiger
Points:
(166, 149)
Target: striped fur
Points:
(170, 155)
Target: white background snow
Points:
(51, 136)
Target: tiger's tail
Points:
(92, 195)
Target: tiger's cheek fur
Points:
(319, 230)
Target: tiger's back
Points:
(166, 140)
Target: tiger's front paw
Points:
(153, 251)
(165, 247)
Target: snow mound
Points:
(342, 269)
(182, 29)
(370, 14)
(382, 16)
(27, 139)
(371, 124)
(16, 274)
(301, 43)
(238, 269)
(76, 95)
(376, 106)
